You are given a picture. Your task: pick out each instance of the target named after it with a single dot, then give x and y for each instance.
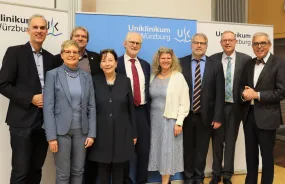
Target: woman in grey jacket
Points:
(69, 115)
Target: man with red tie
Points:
(138, 70)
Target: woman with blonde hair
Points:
(170, 104)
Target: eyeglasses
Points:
(135, 43)
(69, 52)
(228, 40)
(82, 36)
(262, 44)
(201, 43)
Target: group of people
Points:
(95, 112)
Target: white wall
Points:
(42, 3)
(189, 9)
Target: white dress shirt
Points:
(258, 69)
(128, 66)
(225, 65)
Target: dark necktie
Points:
(197, 88)
(258, 61)
(136, 84)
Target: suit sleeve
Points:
(277, 94)
(91, 109)
(48, 109)
(220, 95)
(132, 110)
(8, 79)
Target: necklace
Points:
(112, 81)
(165, 74)
(72, 76)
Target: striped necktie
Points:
(228, 85)
(197, 88)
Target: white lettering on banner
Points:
(155, 37)
(154, 29)
(184, 35)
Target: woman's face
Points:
(108, 63)
(70, 56)
(165, 61)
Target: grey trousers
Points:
(70, 158)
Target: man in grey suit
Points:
(233, 63)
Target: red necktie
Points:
(136, 84)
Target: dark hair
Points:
(106, 51)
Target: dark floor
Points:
(279, 153)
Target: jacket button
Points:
(110, 114)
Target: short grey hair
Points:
(200, 34)
(36, 16)
(69, 43)
(130, 33)
(261, 34)
(228, 31)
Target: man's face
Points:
(37, 30)
(133, 44)
(80, 36)
(228, 42)
(261, 46)
(199, 46)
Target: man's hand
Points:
(53, 146)
(135, 141)
(249, 94)
(177, 130)
(38, 100)
(216, 125)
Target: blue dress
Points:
(166, 150)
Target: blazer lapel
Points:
(251, 73)
(265, 70)
(83, 84)
(63, 81)
(238, 69)
(207, 65)
(121, 65)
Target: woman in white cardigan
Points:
(170, 104)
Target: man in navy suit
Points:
(22, 79)
(138, 70)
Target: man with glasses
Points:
(22, 79)
(206, 83)
(138, 70)
(224, 138)
(88, 61)
(263, 87)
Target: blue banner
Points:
(109, 31)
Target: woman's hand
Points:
(53, 146)
(135, 141)
(177, 130)
(89, 141)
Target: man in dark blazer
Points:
(206, 83)
(233, 63)
(88, 60)
(263, 89)
(22, 79)
(138, 71)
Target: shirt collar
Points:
(34, 50)
(265, 59)
(202, 59)
(127, 58)
(232, 56)
(85, 55)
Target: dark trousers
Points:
(29, 149)
(106, 171)
(142, 148)
(256, 138)
(225, 135)
(90, 172)
(196, 138)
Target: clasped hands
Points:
(249, 94)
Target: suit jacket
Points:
(116, 125)
(94, 61)
(213, 89)
(241, 60)
(19, 82)
(271, 85)
(57, 104)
